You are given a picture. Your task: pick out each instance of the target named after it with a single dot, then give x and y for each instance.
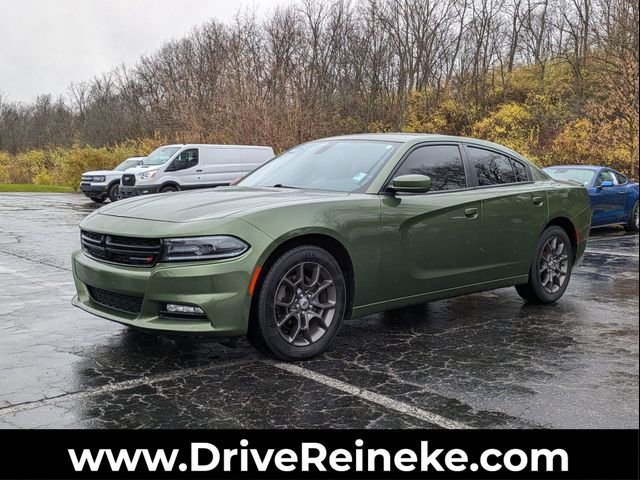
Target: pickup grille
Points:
(138, 252)
(116, 301)
(128, 180)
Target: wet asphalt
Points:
(482, 360)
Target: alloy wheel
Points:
(553, 264)
(305, 303)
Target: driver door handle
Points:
(198, 171)
(471, 212)
(537, 201)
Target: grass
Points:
(28, 187)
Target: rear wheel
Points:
(550, 270)
(632, 226)
(112, 193)
(300, 305)
(169, 188)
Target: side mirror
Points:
(411, 183)
(139, 162)
(606, 184)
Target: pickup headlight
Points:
(147, 175)
(97, 179)
(202, 248)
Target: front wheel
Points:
(112, 193)
(300, 305)
(632, 226)
(169, 188)
(550, 269)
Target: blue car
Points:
(614, 199)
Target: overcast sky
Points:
(47, 44)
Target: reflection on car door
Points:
(432, 238)
(514, 212)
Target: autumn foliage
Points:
(556, 80)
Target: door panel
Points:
(607, 203)
(431, 242)
(222, 165)
(512, 218)
(188, 168)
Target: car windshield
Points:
(129, 163)
(160, 155)
(335, 165)
(580, 175)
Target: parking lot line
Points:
(614, 254)
(369, 396)
(113, 387)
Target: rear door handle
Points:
(537, 201)
(198, 171)
(471, 212)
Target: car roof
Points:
(214, 145)
(579, 167)
(413, 138)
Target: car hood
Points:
(101, 172)
(199, 205)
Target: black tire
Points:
(549, 274)
(97, 199)
(632, 226)
(112, 192)
(311, 330)
(169, 188)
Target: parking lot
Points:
(483, 360)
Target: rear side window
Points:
(491, 167)
(620, 178)
(442, 163)
(186, 159)
(520, 171)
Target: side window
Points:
(604, 176)
(520, 171)
(620, 178)
(442, 163)
(491, 167)
(186, 159)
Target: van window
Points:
(186, 159)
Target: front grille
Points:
(128, 179)
(138, 252)
(116, 301)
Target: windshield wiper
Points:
(279, 185)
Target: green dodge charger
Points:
(332, 229)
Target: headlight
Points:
(97, 179)
(202, 248)
(147, 175)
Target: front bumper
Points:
(93, 190)
(220, 288)
(134, 191)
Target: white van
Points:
(183, 167)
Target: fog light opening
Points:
(182, 310)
